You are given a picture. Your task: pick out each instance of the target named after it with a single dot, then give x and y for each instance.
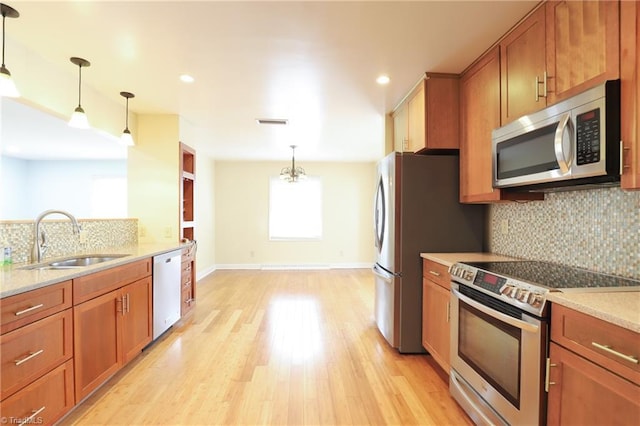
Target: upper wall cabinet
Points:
(428, 116)
(522, 67)
(583, 46)
(630, 90)
(561, 49)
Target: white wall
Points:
(242, 211)
(32, 186)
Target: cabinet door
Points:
(137, 324)
(630, 88)
(401, 129)
(435, 322)
(480, 114)
(416, 114)
(522, 58)
(583, 45)
(97, 352)
(583, 393)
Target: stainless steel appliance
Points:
(499, 334)
(416, 210)
(166, 291)
(573, 143)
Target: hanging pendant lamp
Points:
(293, 173)
(126, 138)
(7, 86)
(79, 118)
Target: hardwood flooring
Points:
(276, 348)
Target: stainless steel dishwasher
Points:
(166, 291)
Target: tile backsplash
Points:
(61, 241)
(595, 229)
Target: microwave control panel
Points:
(588, 137)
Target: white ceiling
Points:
(313, 63)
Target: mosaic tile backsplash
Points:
(595, 229)
(61, 241)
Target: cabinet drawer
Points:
(31, 351)
(436, 272)
(189, 254)
(93, 285)
(613, 347)
(33, 305)
(44, 401)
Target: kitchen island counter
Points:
(15, 280)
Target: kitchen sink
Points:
(76, 262)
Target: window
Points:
(295, 209)
(109, 197)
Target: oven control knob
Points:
(468, 275)
(536, 300)
(523, 296)
(507, 290)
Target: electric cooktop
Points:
(556, 277)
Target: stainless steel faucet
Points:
(39, 240)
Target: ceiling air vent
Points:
(272, 120)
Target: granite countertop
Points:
(449, 259)
(14, 280)
(621, 308)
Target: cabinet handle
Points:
(33, 308)
(28, 357)
(120, 302)
(437, 274)
(547, 383)
(29, 420)
(631, 358)
(544, 86)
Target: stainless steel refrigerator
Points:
(416, 210)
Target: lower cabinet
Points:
(435, 311)
(584, 393)
(109, 331)
(594, 376)
(188, 280)
(44, 401)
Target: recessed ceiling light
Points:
(383, 79)
(186, 78)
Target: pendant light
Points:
(126, 138)
(7, 86)
(292, 174)
(79, 118)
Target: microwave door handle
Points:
(564, 161)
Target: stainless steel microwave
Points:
(573, 143)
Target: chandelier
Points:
(293, 173)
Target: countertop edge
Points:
(14, 280)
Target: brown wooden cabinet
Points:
(435, 311)
(187, 187)
(479, 115)
(36, 351)
(188, 280)
(594, 377)
(630, 91)
(428, 117)
(582, 46)
(522, 62)
(112, 328)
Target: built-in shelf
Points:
(187, 226)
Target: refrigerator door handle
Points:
(383, 273)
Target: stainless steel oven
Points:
(499, 334)
(497, 356)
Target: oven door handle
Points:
(522, 325)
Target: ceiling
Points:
(313, 63)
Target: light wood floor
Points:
(276, 348)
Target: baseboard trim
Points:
(285, 267)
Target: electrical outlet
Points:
(252, 253)
(167, 232)
(82, 237)
(143, 231)
(504, 226)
